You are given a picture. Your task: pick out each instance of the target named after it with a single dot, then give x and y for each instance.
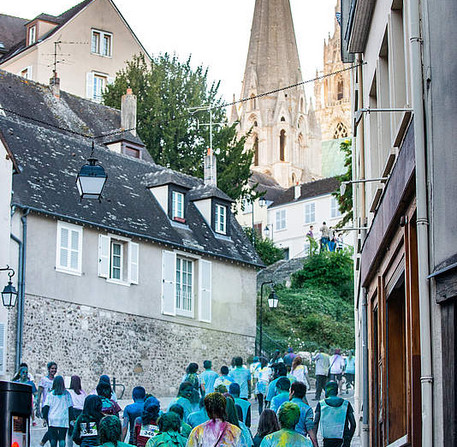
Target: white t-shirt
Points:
(78, 399)
(46, 384)
(337, 363)
(58, 409)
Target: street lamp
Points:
(272, 304)
(9, 294)
(269, 231)
(91, 179)
(262, 203)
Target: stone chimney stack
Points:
(54, 85)
(297, 191)
(210, 171)
(128, 111)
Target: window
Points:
(282, 145)
(334, 208)
(310, 212)
(221, 219)
(26, 72)
(98, 87)
(286, 252)
(184, 286)
(181, 276)
(118, 259)
(69, 248)
(340, 89)
(280, 220)
(101, 43)
(177, 205)
(32, 35)
(341, 131)
(256, 151)
(132, 152)
(247, 206)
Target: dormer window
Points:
(220, 221)
(31, 37)
(177, 205)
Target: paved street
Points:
(38, 432)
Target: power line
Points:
(187, 114)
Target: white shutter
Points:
(2, 349)
(133, 262)
(89, 85)
(168, 283)
(110, 80)
(204, 291)
(103, 255)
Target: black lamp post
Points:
(272, 304)
(91, 179)
(9, 294)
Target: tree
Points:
(345, 200)
(267, 251)
(166, 90)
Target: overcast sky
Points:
(215, 32)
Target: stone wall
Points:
(90, 341)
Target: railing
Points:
(120, 385)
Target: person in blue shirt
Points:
(133, 411)
(305, 425)
(245, 405)
(198, 417)
(207, 378)
(282, 387)
(242, 377)
(224, 380)
(335, 419)
(279, 370)
(349, 371)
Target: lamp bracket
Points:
(11, 271)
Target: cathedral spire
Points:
(277, 122)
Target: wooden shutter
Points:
(89, 85)
(168, 283)
(204, 290)
(103, 255)
(133, 262)
(2, 349)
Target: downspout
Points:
(21, 286)
(365, 415)
(422, 224)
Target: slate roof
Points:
(308, 191)
(266, 185)
(51, 158)
(12, 31)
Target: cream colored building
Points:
(90, 42)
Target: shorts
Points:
(336, 377)
(57, 433)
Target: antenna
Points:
(56, 53)
(211, 124)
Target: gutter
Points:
(422, 223)
(365, 391)
(21, 286)
(137, 235)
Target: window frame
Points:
(282, 219)
(31, 35)
(95, 97)
(306, 213)
(99, 48)
(172, 189)
(181, 261)
(177, 205)
(70, 228)
(220, 226)
(121, 257)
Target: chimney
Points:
(297, 191)
(54, 85)
(210, 171)
(128, 111)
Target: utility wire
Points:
(187, 114)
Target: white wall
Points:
(293, 236)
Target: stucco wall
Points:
(135, 349)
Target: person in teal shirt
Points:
(282, 389)
(242, 377)
(183, 399)
(110, 432)
(245, 405)
(280, 370)
(169, 436)
(198, 417)
(349, 371)
(305, 425)
(224, 379)
(288, 415)
(207, 378)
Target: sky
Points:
(215, 32)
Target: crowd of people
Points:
(210, 409)
(329, 239)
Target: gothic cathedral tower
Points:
(284, 134)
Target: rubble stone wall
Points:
(89, 341)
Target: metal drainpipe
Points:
(365, 415)
(20, 286)
(20, 310)
(422, 223)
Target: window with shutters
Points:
(118, 259)
(280, 220)
(69, 248)
(101, 43)
(310, 213)
(334, 208)
(183, 280)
